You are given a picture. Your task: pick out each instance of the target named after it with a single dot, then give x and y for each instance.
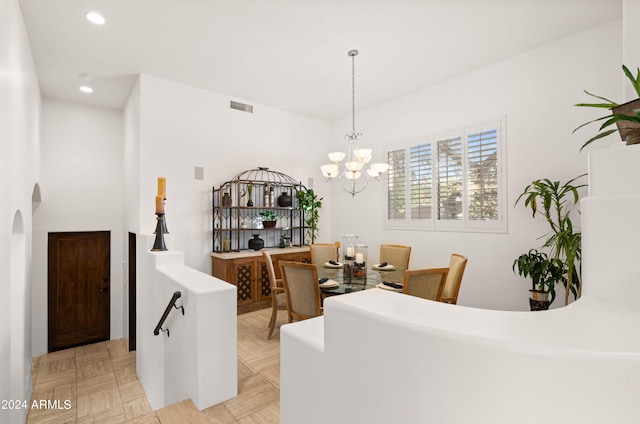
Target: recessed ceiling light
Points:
(86, 89)
(96, 18)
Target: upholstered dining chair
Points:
(396, 255)
(278, 297)
(457, 265)
(302, 290)
(427, 283)
(323, 252)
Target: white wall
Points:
(19, 173)
(82, 178)
(182, 127)
(630, 55)
(536, 91)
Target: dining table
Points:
(370, 277)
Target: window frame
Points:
(465, 224)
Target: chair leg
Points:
(272, 322)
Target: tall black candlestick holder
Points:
(164, 223)
(158, 245)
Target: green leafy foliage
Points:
(613, 118)
(309, 202)
(555, 202)
(544, 272)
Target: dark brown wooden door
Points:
(79, 280)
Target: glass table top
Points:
(372, 278)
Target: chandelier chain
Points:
(353, 92)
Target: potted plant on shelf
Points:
(555, 202)
(544, 273)
(309, 202)
(626, 116)
(269, 219)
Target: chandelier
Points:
(353, 177)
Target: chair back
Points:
(396, 255)
(302, 290)
(457, 265)
(427, 283)
(323, 252)
(278, 297)
(270, 269)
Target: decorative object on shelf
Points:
(282, 243)
(159, 245)
(352, 179)
(266, 199)
(269, 219)
(226, 199)
(564, 243)
(226, 245)
(284, 200)
(309, 202)
(250, 194)
(256, 243)
(626, 116)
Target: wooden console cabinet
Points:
(248, 272)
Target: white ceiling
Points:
(289, 54)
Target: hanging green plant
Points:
(309, 202)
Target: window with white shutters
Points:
(449, 181)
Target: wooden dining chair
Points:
(427, 283)
(301, 288)
(278, 297)
(396, 255)
(457, 265)
(323, 252)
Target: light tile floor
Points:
(101, 384)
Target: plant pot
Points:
(633, 137)
(539, 305)
(626, 128)
(539, 295)
(269, 224)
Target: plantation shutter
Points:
(482, 168)
(421, 184)
(396, 185)
(449, 171)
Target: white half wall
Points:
(82, 178)
(536, 92)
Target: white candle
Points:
(359, 258)
(350, 251)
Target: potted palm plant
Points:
(544, 273)
(555, 202)
(626, 116)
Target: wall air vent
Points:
(241, 106)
